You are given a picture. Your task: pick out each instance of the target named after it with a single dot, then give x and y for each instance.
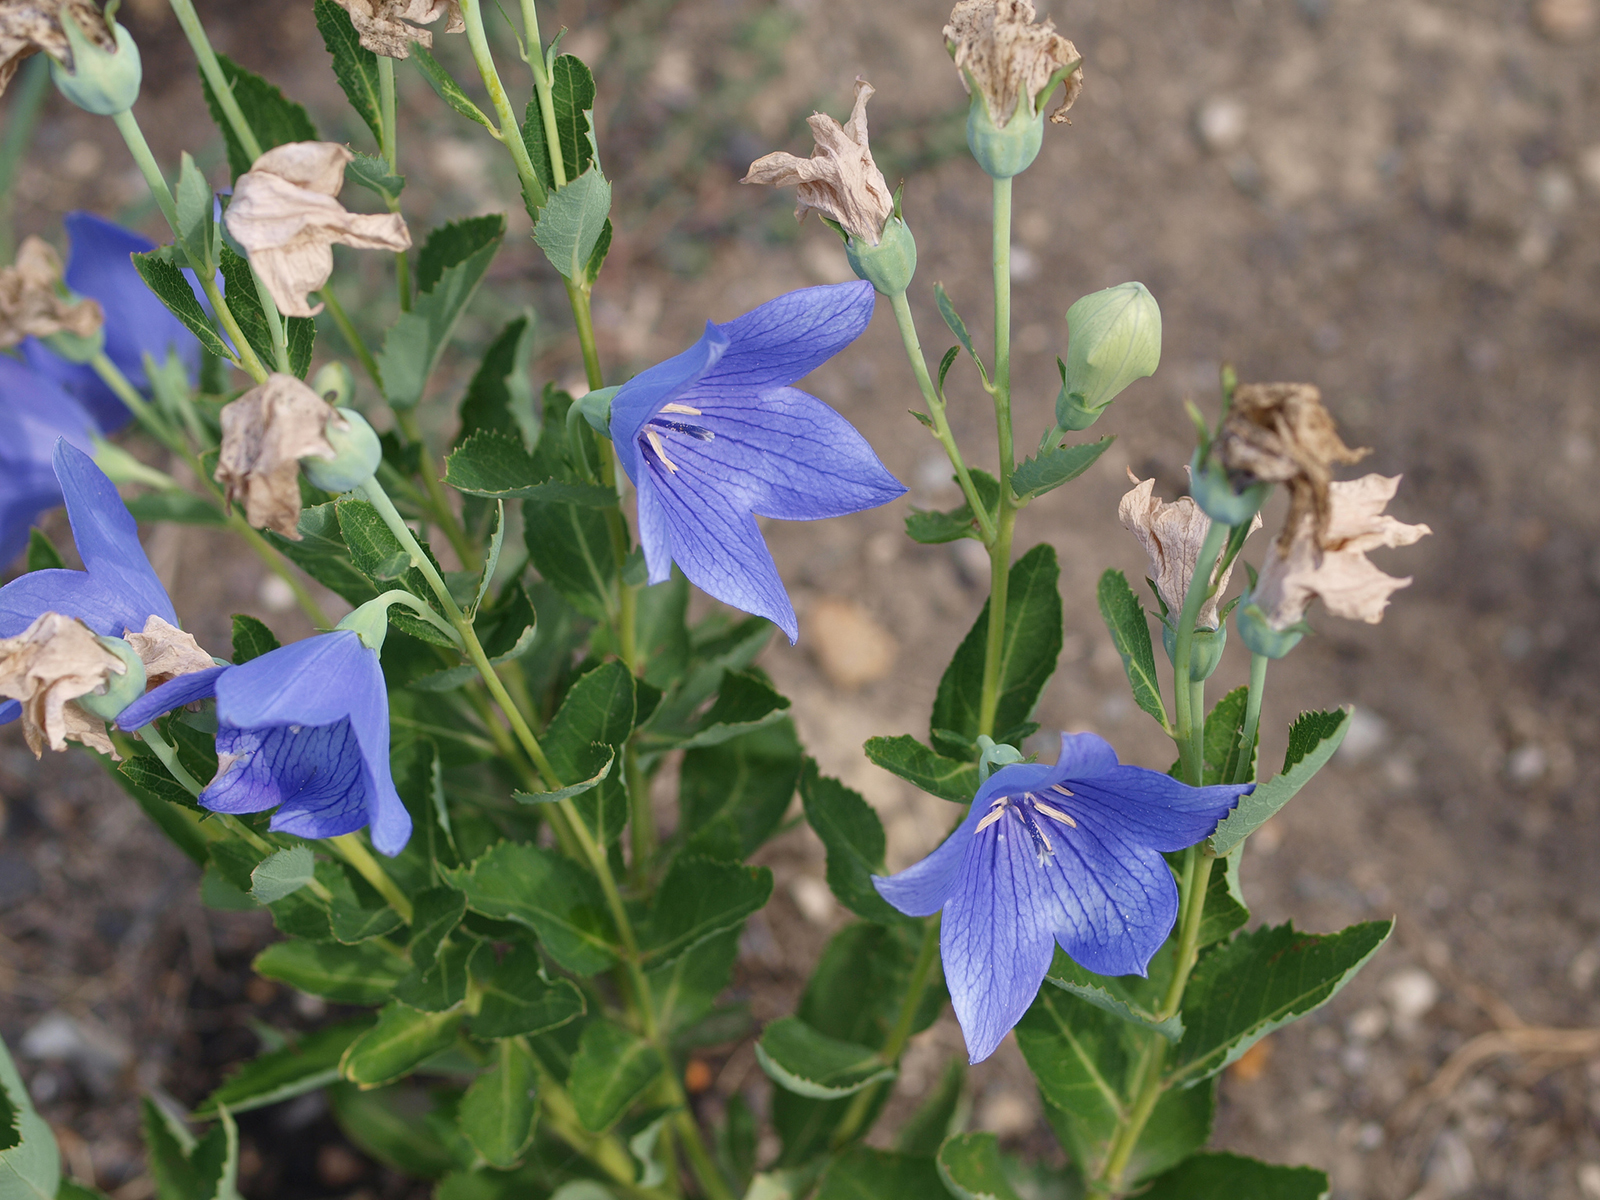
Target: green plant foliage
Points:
(309, 1063)
(187, 1169)
(30, 1163)
(244, 302)
(362, 974)
(698, 899)
(495, 465)
(853, 835)
(42, 555)
(403, 1126)
(1050, 469)
(164, 278)
(519, 999)
(807, 1063)
(572, 222)
(272, 118)
(936, 1118)
(948, 778)
(448, 90)
(594, 722)
(322, 554)
(402, 1039)
(281, 874)
(733, 795)
(354, 66)
(251, 638)
(572, 98)
(935, 528)
(1130, 632)
(610, 1070)
(1230, 1176)
(863, 1174)
(1312, 740)
(497, 1112)
(549, 894)
(970, 1166)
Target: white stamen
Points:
(1056, 787)
(655, 443)
(1054, 814)
(995, 814)
(675, 407)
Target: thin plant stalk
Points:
(212, 69)
(27, 99)
(353, 339)
(1006, 519)
(354, 851)
(269, 308)
(1252, 718)
(388, 122)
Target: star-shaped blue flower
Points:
(34, 412)
(1066, 855)
(717, 436)
(303, 729)
(99, 266)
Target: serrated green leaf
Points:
(194, 202)
(495, 465)
(401, 1039)
(798, 1058)
(1263, 980)
(1217, 1176)
(1029, 649)
(746, 701)
(172, 288)
(281, 874)
(362, 974)
(519, 999)
(572, 97)
(732, 796)
(402, 1127)
(497, 1112)
(450, 267)
(611, 1069)
(1313, 738)
(1049, 470)
(251, 638)
(42, 554)
(30, 1163)
(354, 66)
(273, 118)
(372, 173)
(551, 895)
(448, 90)
(500, 395)
(948, 778)
(1130, 632)
(322, 554)
(935, 528)
(1118, 996)
(594, 721)
(969, 1165)
(378, 554)
(861, 1173)
(311, 1062)
(853, 836)
(952, 318)
(698, 899)
(571, 222)
(168, 1145)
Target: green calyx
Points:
(1205, 650)
(1214, 492)
(102, 82)
(76, 349)
(119, 691)
(1003, 150)
(1114, 338)
(890, 264)
(994, 755)
(357, 453)
(1258, 634)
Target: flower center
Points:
(659, 424)
(1027, 808)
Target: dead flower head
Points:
(1334, 565)
(839, 180)
(265, 434)
(388, 27)
(285, 216)
(999, 50)
(167, 652)
(1280, 433)
(30, 305)
(1171, 534)
(28, 26)
(46, 667)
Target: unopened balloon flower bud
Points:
(335, 383)
(102, 73)
(118, 691)
(356, 454)
(1114, 338)
(890, 264)
(1213, 490)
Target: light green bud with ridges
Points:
(102, 82)
(1114, 338)
(357, 453)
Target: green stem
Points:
(390, 148)
(1183, 653)
(1000, 549)
(212, 70)
(269, 308)
(510, 130)
(128, 126)
(541, 87)
(1187, 951)
(144, 412)
(641, 817)
(444, 516)
(1153, 1059)
(604, 1150)
(354, 340)
(351, 848)
(1252, 719)
(169, 759)
(936, 408)
(583, 318)
(247, 356)
(705, 1171)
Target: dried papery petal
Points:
(265, 434)
(388, 27)
(285, 216)
(30, 305)
(28, 26)
(167, 651)
(1172, 534)
(999, 49)
(47, 666)
(1281, 433)
(839, 180)
(1334, 567)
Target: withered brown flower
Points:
(1333, 565)
(265, 434)
(167, 651)
(839, 180)
(1000, 51)
(1281, 433)
(46, 667)
(388, 27)
(1172, 534)
(28, 26)
(285, 216)
(30, 305)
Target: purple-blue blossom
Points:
(34, 412)
(1067, 855)
(99, 266)
(716, 437)
(303, 729)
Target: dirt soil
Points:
(1399, 201)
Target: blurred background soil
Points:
(1397, 200)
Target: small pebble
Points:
(1566, 20)
(1220, 122)
(1589, 1180)
(1451, 1171)
(1410, 993)
(1368, 734)
(697, 1077)
(851, 648)
(1526, 764)
(1005, 1114)
(1368, 1024)
(275, 594)
(813, 899)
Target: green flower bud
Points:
(335, 383)
(100, 81)
(890, 264)
(120, 690)
(357, 453)
(993, 755)
(1258, 634)
(1115, 338)
(1205, 652)
(75, 347)
(1214, 492)
(1003, 151)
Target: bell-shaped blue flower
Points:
(1066, 855)
(717, 436)
(303, 729)
(99, 266)
(34, 412)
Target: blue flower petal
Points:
(175, 693)
(785, 339)
(921, 890)
(642, 396)
(34, 412)
(314, 776)
(10, 710)
(1113, 902)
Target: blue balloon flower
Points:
(1065, 855)
(34, 413)
(99, 266)
(303, 729)
(717, 436)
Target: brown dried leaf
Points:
(1171, 535)
(999, 49)
(265, 434)
(48, 665)
(167, 652)
(28, 26)
(839, 180)
(1280, 433)
(388, 27)
(285, 216)
(1334, 567)
(30, 305)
